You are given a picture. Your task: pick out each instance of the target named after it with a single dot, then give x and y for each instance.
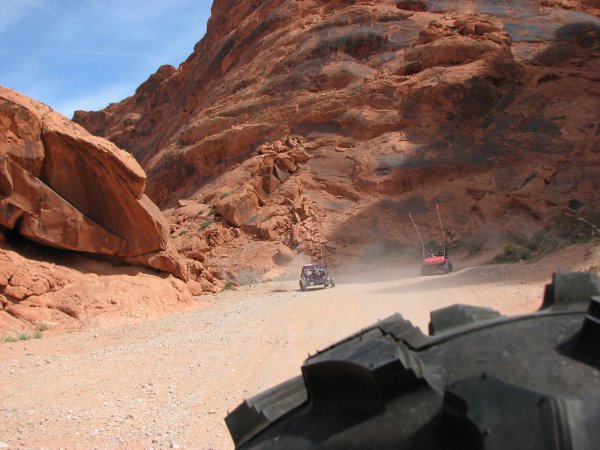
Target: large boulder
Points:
(64, 188)
(238, 207)
(78, 293)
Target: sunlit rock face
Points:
(64, 188)
(488, 109)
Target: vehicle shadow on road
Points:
(315, 289)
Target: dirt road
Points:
(169, 383)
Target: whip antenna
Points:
(320, 245)
(437, 207)
(319, 225)
(419, 234)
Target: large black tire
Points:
(458, 315)
(447, 268)
(332, 282)
(302, 286)
(481, 381)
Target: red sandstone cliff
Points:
(490, 110)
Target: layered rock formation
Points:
(45, 292)
(489, 110)
(64, 188)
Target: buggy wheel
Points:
(332, 283)
(473, 386)
(302, 286)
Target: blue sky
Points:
(85, 54)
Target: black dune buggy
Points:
(315, 275)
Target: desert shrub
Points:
(579, 229)
(25, 337)
(575, 204)
(566, 231)
(513, 253)
(42, 327)
(524, 248)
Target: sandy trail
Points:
(169, 383)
